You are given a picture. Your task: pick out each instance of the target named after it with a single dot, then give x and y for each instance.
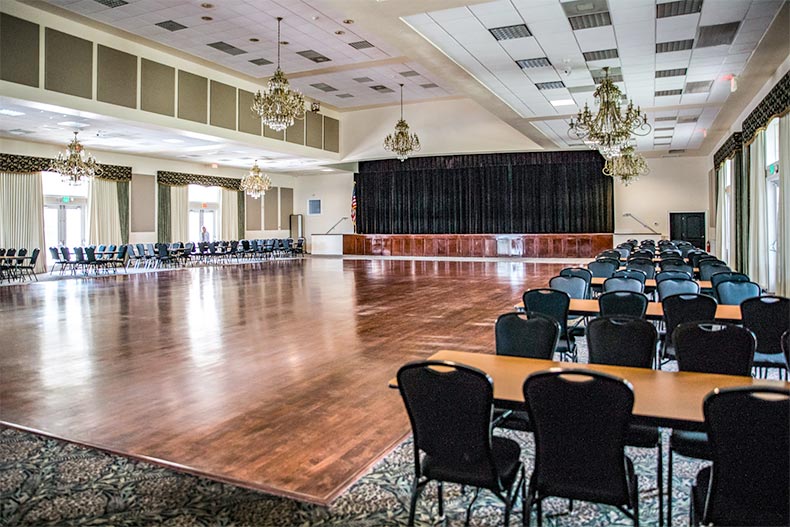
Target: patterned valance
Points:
(179, 179)
(733, 144)
(775, 104)
(29, 164)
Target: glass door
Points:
(64, 224)
(199, 218)
(52, 236)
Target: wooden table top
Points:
(589, 307)
(671, 399)
(650, 282)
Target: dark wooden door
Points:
(688, 226)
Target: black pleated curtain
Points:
(543, 192)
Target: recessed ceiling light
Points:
(172, 141)
(563, 102)
(253, 39)
(73, 124)
(327, 170)
(348, 21)
(340, 32)
(206, 5)
(207, 18)
(12, 113)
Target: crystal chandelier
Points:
(609, 130)
(279, 105)
(75, 164)
(256, 183)
(402, 143)
(628, 166)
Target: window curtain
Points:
(22, 214)
(720, 204)
(104, 222)
(229, 215)
(740, 178)
(179, 213)
(783, 225)
(163, 214)
(758, 212)
(242, 207)
(122, 187)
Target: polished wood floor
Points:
(271, 376)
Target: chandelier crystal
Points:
(610, 129)
(256, 183)
(279, 104)
(628, 166)
(75, 164)
(402, 143)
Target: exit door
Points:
(688, 226)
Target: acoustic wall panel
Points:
(286, 206)
(223, 105)
(270, 210)
(314, 129)
(116, 77)
(295, 132)
(143, 215)
(192, 97)
(331, 134)
(157, 87)
(68, 64)
(252, 210)
(248, 121)
(18, 50)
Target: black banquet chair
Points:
(626, 303)
(749, 481)
(449, 407)
(768, 317)
(580, 421)
(555, 304)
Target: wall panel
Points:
(68, 64)
(270, 210)
(286, 206)
(252, 210)
(19, 48)
(223, 105)
(157, 88)
(331, 134)
(116, 77)
(192, 97)
(143, 212)
(314, 129)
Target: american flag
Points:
(354, 206)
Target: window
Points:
(313, 207)
(65, 211)
(727, 217)
(203, 212)
(772, 197)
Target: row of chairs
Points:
(91, 258)
(17, 265)
(178, 253)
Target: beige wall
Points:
(334, 191)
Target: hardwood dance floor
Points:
(272, 376)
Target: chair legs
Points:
(669, 489)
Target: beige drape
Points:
(720, 201)
(783, 226)
(229, 215)
(22, 214)
(179, 213)
(758, 212)
(104, 221)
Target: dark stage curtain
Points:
(541, 192)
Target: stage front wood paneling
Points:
(523, 245)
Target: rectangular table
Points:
(589, 307)
(662, 398)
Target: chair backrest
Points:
(749, 436)
(188, 248)
(79, 256)
(551, 302)
(728, 276)
(623, 284)
(53, 252)
(602, 269)
(580, 418)
(34, 256)
(150, 248)
(531, 335)
(573, 285)
(90, 254)
(679, 267)
(672, 275)
(676, 286)
(162, 251)
(102, 248)
(615, 261)
(647, 266)
(674, 260)
(581, 272)
(626, 303)
(706, 271)
(736, 292)
(609, 253)
(621, 341)
(122, 252)
(449, 407)
(768, 317)
(11, 252)
(646, 254)
(631, 273)
(687, 307)
(65, 252)
(625, 251)
(710, 347)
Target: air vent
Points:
(171, 25)
(663, 134)
(675, 45)
(510, 32)
(540, 62)
(111, 3)
(683, 7)
(261, 62)
(323, 87)
(409, 73)
(344, 95)
(19, 131)
(604, 54)
(660, 119)
(226, 48)
(677, 72)
(698, 87)
(381, 89)
(664, 129)
(313, 55)
(553, 85)
(615, 74)
(362, 44)
(363, 79)
(429, 85)
(590, 21)
(678, 151)
(717, 35)
(666, 93)
(581, 89)
(686, 119)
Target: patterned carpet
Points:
(44, 482)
